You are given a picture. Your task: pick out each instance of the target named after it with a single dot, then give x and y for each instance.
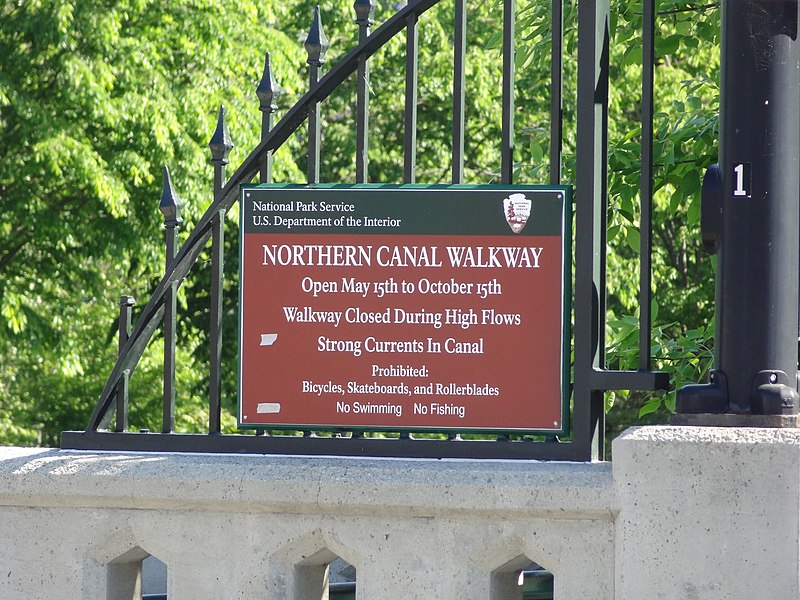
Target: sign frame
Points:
(564, 193)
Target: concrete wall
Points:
(683, 513)
(707, 513)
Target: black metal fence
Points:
(591, 379)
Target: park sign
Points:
(404, 308)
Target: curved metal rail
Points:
(152, 314)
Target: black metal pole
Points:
(751, 214)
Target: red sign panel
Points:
(403, 309)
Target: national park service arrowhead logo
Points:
(517, 210)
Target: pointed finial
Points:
(220, 143)
(316, 43)
(364, 10)
(170, 203)
(268, 90)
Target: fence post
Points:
(459, 84)
(267, 92)
(220, 146)
(507, 118)
(316, 46)
(171, 208)
(364, 10)
(411, 92)
(591, 200)
(751, 219)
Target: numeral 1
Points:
(741, 172)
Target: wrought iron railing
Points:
(591, 378)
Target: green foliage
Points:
(686, 109)
(96, 95)
(684, 145)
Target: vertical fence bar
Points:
(220, 146)
(601, 223)
(556, 89)
(125, 316)
(364, 10)
(170, 311)
(646, 184)
(215, 371)
(410, 134)
(171, 208)
(316, 46)
(507, 142)
(314, 131)
(590, 200)
(267, 92)
(459, 58)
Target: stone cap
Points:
(259, 483)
